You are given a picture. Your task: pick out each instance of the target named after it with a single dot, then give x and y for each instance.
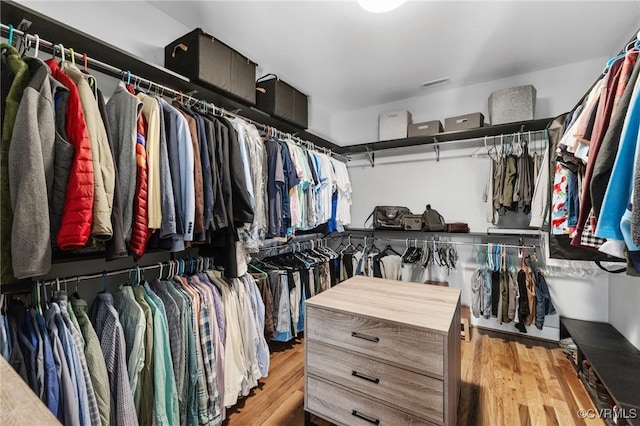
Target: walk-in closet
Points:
(359, 212)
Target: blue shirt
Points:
(618, 192)
(51, 382)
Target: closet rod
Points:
(78, 278)
(458, 243)
(160, 89)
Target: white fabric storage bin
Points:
(393, 125)
(512, 104)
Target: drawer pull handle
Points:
(362, 376)
(365, 337)
(367, 418)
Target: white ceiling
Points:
(347, 58)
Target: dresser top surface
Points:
(418, 305)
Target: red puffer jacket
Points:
(140, 232)
(77, 215)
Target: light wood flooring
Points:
(506, 380)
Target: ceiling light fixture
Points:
(380, 6)
(437, 82)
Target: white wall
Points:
(558, 89)
(624, 304)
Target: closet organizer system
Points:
(138, 171)
(193, 339)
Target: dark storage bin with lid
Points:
(282, 100)
(205, 59)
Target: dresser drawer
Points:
(412, 392)
(348, 408)
(414, 349)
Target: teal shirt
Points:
(165, 403)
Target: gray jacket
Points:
(31, 155)
(123, 110)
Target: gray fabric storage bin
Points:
(512, 104)
(464, 122)
(427, 128)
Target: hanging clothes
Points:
(31, 174)
(13, 85)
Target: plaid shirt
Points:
(109, 331)
(202, 394)
(207, 342)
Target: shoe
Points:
(568, 344)
(602, 393)
(565, 341)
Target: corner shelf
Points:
(444, 137)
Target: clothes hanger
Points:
(37, 45)
(388, 249)
(73, 56)
(62, 54)
(613, 60)
(10, 40)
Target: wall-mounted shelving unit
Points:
(439, 138)
(444, 140)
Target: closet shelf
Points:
(443, 139)
(59, 33)
(512, 233)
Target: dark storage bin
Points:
(427, 128)
(282, 100)
(204, 59)
(464, 122)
